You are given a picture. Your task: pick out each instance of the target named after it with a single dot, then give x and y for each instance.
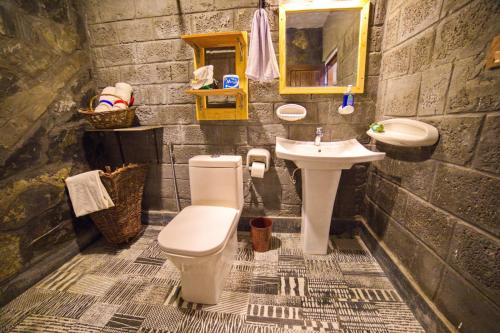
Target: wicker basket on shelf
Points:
(108, 119)
(125, 186)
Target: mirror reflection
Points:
(322, 48)
(223, 60)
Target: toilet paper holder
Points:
(258, 155)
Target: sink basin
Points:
(321, 167)
(406, 133)
(328, 155)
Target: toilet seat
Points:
(198, 230)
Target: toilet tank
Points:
(216, 180)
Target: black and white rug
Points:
(136, 289)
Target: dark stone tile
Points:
(463, 305)
(426, 269)
(400, 242)
(471, 195)
(432, 226)
(391, 199)
(460, 34)
(469, 73)
(457, 138)
(377, 220)
(477, 256)
(487, 156)
(420, 307)
(422, 263)
(409, 169)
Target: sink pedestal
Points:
(319, 188)
(321, 166)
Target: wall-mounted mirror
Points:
(323, 46)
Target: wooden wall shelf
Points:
(238, 40)
(125, 129)
(217, 92)
(118, 132)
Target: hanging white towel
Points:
(262, 64)
(87, 193)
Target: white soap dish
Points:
(406, 132)
(346, 109)
(291, 112)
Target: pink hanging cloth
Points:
(262, 64)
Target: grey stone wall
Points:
(44, 75)
(141, 44)
(342, 34)
(436, 209)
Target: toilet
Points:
(201, 240)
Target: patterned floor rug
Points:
(136, 289)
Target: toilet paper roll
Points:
(258, 169)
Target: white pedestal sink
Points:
(321, 168)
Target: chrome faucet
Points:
(319, 135)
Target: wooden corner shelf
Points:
(137, 129)
(216, 39)
(238, 40)
(217, 92)
(124, 129)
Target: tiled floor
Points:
(137, 290)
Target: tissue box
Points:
(231, 81)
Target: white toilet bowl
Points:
(201, 240)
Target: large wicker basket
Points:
(125, 186)
(108, 119)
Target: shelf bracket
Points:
(197, 54)
(241, 49)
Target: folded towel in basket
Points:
(87, 193)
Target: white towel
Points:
(262, 64)
(103, 106)
(124, 90)
(87, 193)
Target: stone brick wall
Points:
(44, 74)
(140, 44)
(437, 209)
(341, 33)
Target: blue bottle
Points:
(348, 97)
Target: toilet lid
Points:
(198, 230)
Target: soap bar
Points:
(377, 128)
(231, 81)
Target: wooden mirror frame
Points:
(315, 6)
